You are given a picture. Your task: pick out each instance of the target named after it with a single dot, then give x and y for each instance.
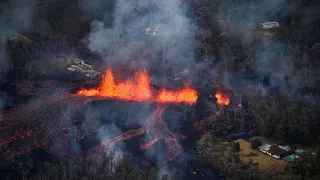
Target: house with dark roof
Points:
(278, 152)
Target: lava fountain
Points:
(140, 90)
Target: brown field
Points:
(265, 162)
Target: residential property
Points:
(269, 25)
(261, 160)
(277, 151)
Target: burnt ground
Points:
(124, 115)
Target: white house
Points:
(264, 148)
(270, 25)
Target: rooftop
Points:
(265, 147)
(276, 150)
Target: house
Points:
(269, 25)
(264, 148)
(278, 152)
(155, 30)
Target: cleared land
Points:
(265, 162)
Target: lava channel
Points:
(156, 128)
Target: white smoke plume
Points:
(176, 42)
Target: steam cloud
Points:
(271, 58)
(130, 18)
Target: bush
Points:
(236, 147)
(256, 143)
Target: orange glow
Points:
(222, 99)
(139, 90)
(187, 95)
(128, 90)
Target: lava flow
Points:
(139, 90)
(157, 129)
(34, 126)
(222, 100)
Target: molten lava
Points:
(187, 95)
(139, 90)
(127, 90)
(222, 99)
(157, 129)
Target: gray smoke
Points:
(18, 14)
(266, 55)
(5, 63)
(129, 19)
(5, 66)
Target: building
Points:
(269, 25)
(155, 30)
(265, 148)
(276, 151)
(80, 66)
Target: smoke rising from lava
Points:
(175, 45)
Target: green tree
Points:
(255, 144)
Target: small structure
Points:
(184, 76)
(80, 66)
(154, 30)
(269, 25)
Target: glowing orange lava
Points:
(187, 95)
(139, 90)
(222, 99)
(128, 90)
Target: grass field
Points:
(265, 162)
